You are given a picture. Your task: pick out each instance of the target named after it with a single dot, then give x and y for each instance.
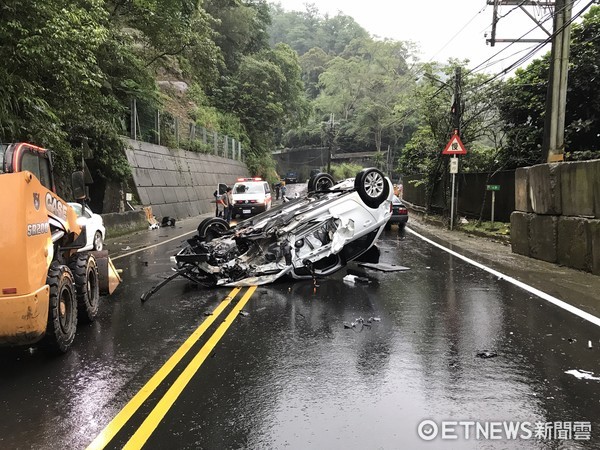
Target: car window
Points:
(77, 208)
(31, 163)
(248, 188)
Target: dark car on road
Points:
(399, 214)
(291, 178)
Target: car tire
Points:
(85, 274)
(372, 187)
(98, 243)
(320, 182)
(62, 313)
(211, 228)
(388, 226)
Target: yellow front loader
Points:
(46, 285)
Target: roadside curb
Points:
(575, 287)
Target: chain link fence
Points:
(156, 127)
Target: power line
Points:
(537, 47)
(458, 32)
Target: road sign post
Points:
(493, 188)
(454, 147)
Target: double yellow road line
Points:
(142, 434)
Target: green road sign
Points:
(493, 187)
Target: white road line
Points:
(549, 298)
(152, 246)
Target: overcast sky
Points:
(442, 28)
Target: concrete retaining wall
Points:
(179, 183)
(558, 214)
(118, 224)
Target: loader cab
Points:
(20, 157)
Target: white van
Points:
(251, 196)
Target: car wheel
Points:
(98, 241)
(388, 226)
(211, 228)
(372, 187)
(62, 314)
(85, 273)
(320, 182)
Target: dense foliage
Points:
(522, 101)
(70, 70)
(269, 78)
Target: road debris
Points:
(244, 313)
(589, 344)
(582, 374)
(359, 323)
(384, 267)
(486, 354)
(356, 279)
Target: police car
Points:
(250, 196)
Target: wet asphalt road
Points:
(288, 374)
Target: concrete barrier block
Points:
(594, 230)
(118, 224)
(544, 189)
(574, 243)
(171, 178)
(143, 195)
(143, 160)
(577, 184)
(595, 169)
(142, 177)
(130, 154)
(543, 237)
(519, 232)
(170, 195)
(170, 162)
(158, 162)
(181, 211)
(522, 200)
(191, 193)
(157, 178)
(181, 194)
(156, 196)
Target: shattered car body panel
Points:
(304, 238)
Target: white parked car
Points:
(306, 237)
(94, 227)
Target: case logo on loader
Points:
(55, 206)
(36, 201)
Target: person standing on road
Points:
(277, 187)
(218, 205)
(283, 191)
(227, 199)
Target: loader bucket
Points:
(108, 276)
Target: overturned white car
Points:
(306, 237)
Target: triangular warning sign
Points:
(455, 146)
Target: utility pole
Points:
(456, 113)
(330, 141)
(553, 146)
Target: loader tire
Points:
(62, 314)
(85, 272)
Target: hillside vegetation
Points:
(270, 78)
